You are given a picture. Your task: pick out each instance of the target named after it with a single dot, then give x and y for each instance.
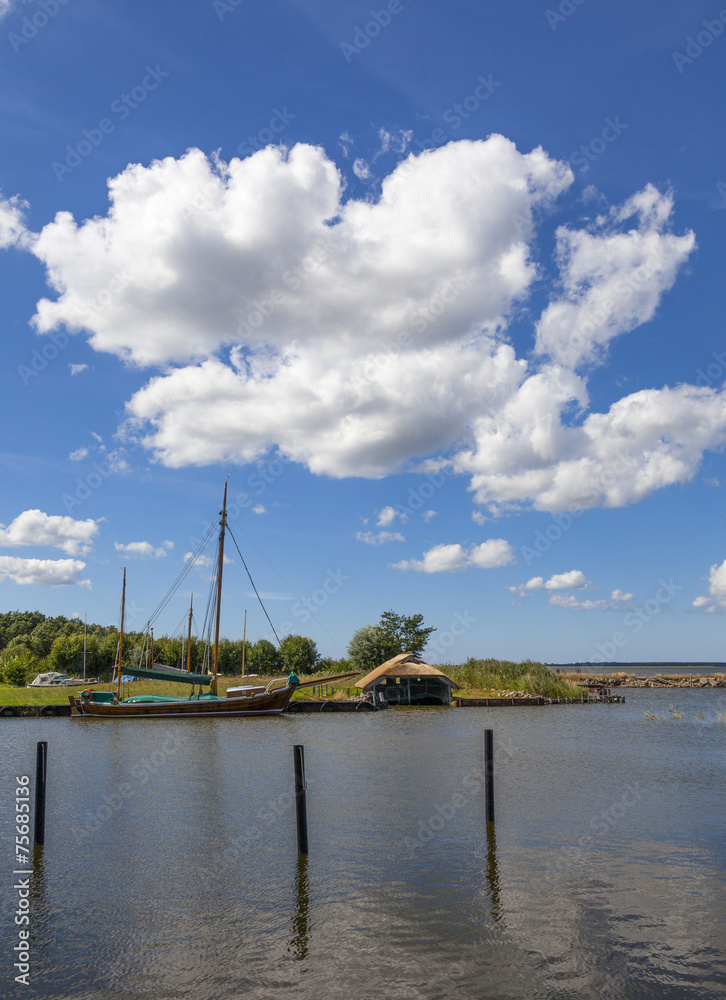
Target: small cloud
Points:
(97, 437)
(142, 550)
(387, 515)
(345, 143)
(361, 170)
(492, 554)
(619, 597)
(572, 603)
(439, 559)
(204, 562)
(574, 580)
(429, 515)
(394, 142)
(259, 509)
(715, 599)
(479, 518)
(78, 454)
(379, 537)
(201, 562)
(77, 369)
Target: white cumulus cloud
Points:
(493, 553)
(34, 527)
(715, 599)
(574, 579)
(357, 337)
(612, 280)
(387, 515)
(42, 572)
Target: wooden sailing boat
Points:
(269, 700)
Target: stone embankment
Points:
(654, 681)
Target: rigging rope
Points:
(182, 574)
(253, 585)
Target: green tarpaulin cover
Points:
(162, 673)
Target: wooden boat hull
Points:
(270, 703)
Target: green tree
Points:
(404, 633)
(299, 653)
(264, 658)
(42, 637)
(18, 668)
(368, 649)
(66, 653)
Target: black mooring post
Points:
(41, 765)
(489, 773)
(300, 804)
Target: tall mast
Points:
(222, 525)
(121, 639)
(85, 626)
(244, 643)
(189, 637)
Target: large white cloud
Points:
(528, 454)
(34, 527)
(42, 572)
(196, 253)
(320, 415)
(355, 337)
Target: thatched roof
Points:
(403, 665)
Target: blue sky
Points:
(439, 287)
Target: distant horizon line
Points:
(642, 663)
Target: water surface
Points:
(170, 867)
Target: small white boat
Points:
(54, 679)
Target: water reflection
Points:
(492, 875)
(299, 944)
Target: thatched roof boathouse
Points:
(407, 680)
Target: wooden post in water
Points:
(300, 804)
(489, 773)
(41, 765)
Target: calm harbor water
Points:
(170, 867)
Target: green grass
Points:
(482, 678)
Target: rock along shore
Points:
(655, 681)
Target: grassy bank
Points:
(486, 678)
(476, 679)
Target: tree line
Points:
(32, 643)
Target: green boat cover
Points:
(146, 698)
(162, 673)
